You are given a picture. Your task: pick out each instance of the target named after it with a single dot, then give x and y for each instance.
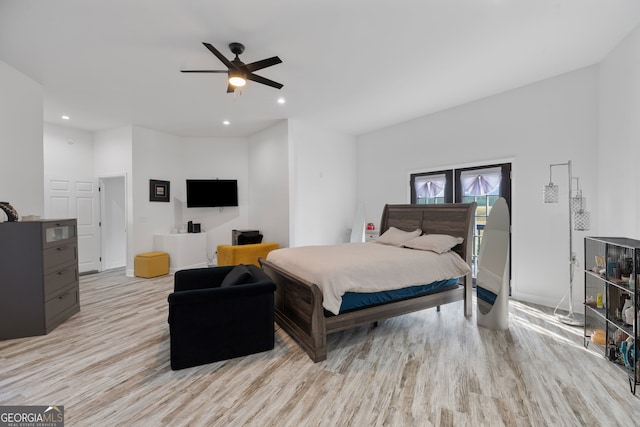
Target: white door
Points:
(77, 198)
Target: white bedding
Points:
(365, 267)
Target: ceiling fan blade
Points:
(264, 81)
(204, 71)
(218, 55)
(230, 88)
(259, 65)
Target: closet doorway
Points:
(113, 214)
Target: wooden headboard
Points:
(455, 219)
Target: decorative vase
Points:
(629, 315)
(12, 215)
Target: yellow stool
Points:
(244, 254)
(151, 264)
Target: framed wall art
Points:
(158, 190)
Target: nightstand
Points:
(371, 235)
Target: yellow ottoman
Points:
(151, 264)
(244, 254)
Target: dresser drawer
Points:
(61, 307)
(55, 282)
(58, 232)
(60, 256)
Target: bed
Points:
(299, 302)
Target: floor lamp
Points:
(579, 219)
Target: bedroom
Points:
(580, 115)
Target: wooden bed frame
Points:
(298, 303)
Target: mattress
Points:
(356, 300)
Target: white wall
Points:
(68, 152)
(166, 157)
(112, 152)
(548, 122)
(322, 189)
(21, 154)
(619, 136)
(155, 155)
(216, 158)
(269, 183)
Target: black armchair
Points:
(220, 313)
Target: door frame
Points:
(104, 217)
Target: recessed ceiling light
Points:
(281, 100)
(226, 123)
(65, 117)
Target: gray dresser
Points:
(38, 276)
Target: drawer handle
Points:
(63, 296)
(61, 272)
(61, 248)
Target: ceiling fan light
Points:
(237, 79)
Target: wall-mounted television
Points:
(209, 193)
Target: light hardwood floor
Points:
(109, 366)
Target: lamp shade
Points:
(578, 203)
(551, 193)
(582, 221)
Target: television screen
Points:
(208, 193)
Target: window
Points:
(480, 184)
(432, 188)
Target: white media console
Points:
(186, 250)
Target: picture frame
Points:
(159, 190)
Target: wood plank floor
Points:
(109, 365)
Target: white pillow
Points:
(396, 237)
(439, 243)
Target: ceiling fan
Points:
(238, 71)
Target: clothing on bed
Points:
(366, 267)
